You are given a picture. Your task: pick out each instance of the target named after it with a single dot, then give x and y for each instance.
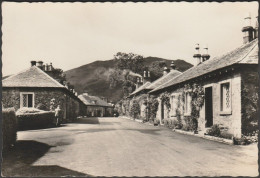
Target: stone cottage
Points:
(33, 87)
(218, 88)
(95, 106)
(144, 85)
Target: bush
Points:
(135, 110)
(9, 128)
(226, 135)
(42, 107)
(32, 118)
(172, 123)
(214, 131)
(156, 121)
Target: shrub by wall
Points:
(135, 110)
(32, 118)
(9, 128)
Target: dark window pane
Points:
(30, 100)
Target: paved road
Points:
(122, 147)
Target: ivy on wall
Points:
(135, 110)
(197, 100)
(165, 99)
(152, 105)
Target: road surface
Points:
(122, 147)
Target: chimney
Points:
(39, 64)
(50, 67)
(138, 82)
(247, 29)
(165, 70)
(256, 28)
(146, 77)
(33, 63)
(43, 67)
(197, 54)
(205, 56)
(173, 67)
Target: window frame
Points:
(186, 111)
(27, 93)
(174, 105)
(221, 110)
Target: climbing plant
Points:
(135, 110)
(197, 100)
(165, 98)
(152, 105)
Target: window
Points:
(174, 102)
(187, 104)
(27, 100)
(225, 98)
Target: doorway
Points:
(208, 107)
(162, 110)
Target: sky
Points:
(73, 34)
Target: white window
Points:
(225, 97)
(174, 102)
(187, 104)
(27, 100)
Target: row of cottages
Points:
(216, 91)
(96, 107)
(35, 86)
(144, 86)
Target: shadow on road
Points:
(18, 161)
(88, 120)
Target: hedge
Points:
(34, 118)
(9, 128)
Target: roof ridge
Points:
(249, 52)
(55, 81)
(159, 87)
(17, 73)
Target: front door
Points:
(162, 110)
(208, 107)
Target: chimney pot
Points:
(165, 70)
(197, 54)
(33, 63)
(248, 30)
(173, 65)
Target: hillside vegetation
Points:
(93, 78)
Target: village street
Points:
(122, 147)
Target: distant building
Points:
(33, 87)
(96, 107)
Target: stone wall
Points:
(71, 108)
(232, 121)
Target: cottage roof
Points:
(143, 87)
(246, 54)
(93, 100)
(31, 77)
(163, 79)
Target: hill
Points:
(93, 78)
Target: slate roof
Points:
(93, 100)
(246, 54)
(31, 77)
(163, 79)
(143, 87)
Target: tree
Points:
(133, 62)
(156, 69)
(58, 75)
